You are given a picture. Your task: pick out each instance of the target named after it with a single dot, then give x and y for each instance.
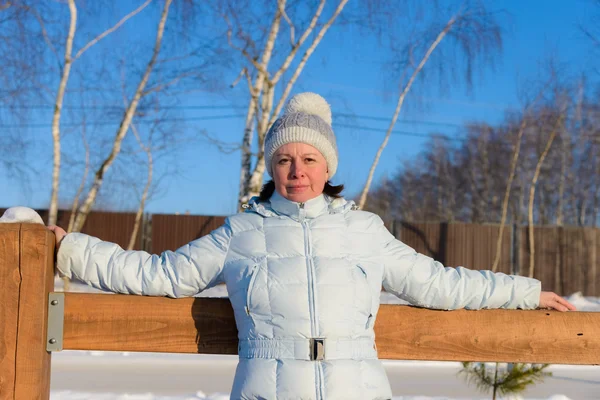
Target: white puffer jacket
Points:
(304, 282)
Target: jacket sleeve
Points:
(184, 272)
(424, 282)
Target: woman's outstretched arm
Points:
(105, 265)
(425, 282)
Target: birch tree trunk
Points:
(511, 176)
(75, 204)
(124, 126)
(140, 211)
(258, 173)
(66, 70)
(513, 168)
(561, 184)
(363, 197)
(256, 90)
(268, 115)
(536, 175)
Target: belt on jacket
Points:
(308, 349)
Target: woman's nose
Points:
(297, 171)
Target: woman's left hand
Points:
(554, 301)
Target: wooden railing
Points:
(203, 325)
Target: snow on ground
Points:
(152, 376)
(95, 375)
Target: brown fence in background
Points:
(115, 227)
(467, 245)
(565, 257)
(170, 232)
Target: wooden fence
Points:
(203, 325)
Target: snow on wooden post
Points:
(26, 278)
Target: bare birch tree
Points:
(68, 61)
(264, 79)
(555, 129)
(479, 167)
(476, 33)
(511, 175)
(86, 207)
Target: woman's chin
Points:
(300, 197)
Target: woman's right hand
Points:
(59, 233)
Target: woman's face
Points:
(299, 172)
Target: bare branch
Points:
(53, 211)
(222, 146)
(75, 204)
(534, 180)
(305, 57)
(252, 60)
(171, 82)
(140, 211)
(38, 17)
(281, 6)
(110, 30)
(511, 176)
(125, 124)
(307, 32)
(590, 35)
(239, 77)
(255, 92)
(432, 47)
(249, 81)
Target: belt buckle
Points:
(317, 349)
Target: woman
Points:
(304, 270)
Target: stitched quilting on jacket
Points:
(304, 281)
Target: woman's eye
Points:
(283, 161)
(309, 159)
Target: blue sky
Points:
(353, 82)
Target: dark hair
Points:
(330, 190)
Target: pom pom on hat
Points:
(309, 103)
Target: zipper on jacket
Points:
(311, 297)
(311, 278)
(253, 273)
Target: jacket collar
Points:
(299, 211)
(279, 205)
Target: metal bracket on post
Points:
(56, 319)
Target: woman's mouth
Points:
(297, 188)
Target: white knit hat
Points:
(306, 119)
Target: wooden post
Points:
(26, 278)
